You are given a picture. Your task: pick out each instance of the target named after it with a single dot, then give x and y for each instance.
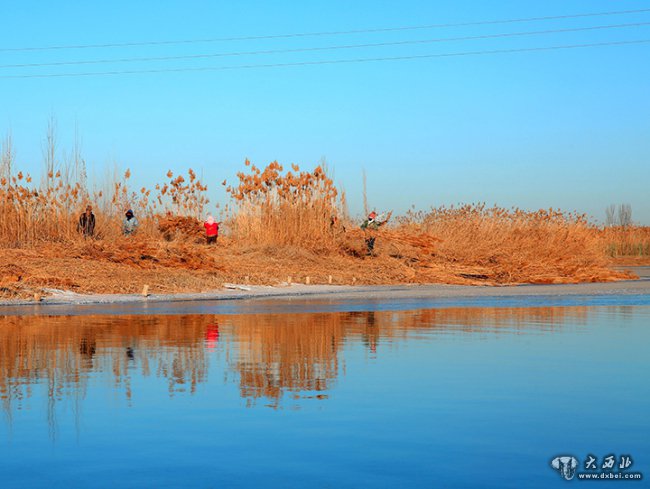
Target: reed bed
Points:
(513, 245)
(279, 224)
(292, 208)
(627, 241)
(32, 214)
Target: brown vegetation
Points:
(280, 223)
(628, 244)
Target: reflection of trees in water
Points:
(272, 354)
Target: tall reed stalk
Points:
(293, 208)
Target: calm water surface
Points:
(451, 397)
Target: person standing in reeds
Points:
(129, 224)
(86, 224)
(211, 230)
(370, 226)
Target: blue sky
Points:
(564, 128)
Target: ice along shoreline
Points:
(441, 292)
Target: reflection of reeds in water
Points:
(63, 351)
(272, 354)
(279, 353)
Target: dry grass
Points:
(286, 209)
(32, 214)
(279, 224)
(516, 246)
(627, 242)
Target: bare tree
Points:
(610, 215)
(624, 215)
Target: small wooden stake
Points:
(306, 280)
(329, 279)
(145, 291)
(289, 280)
(354, 280)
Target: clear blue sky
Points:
(566, 128)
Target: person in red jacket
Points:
(211, 230)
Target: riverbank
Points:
(239, 292)
(129, 267)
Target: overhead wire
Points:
(323, 48)
(322, 33)
(329, 62)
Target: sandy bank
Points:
(341, 293)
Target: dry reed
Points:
(279, 223)
(296, 208)
(627, 241)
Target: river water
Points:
(331, 395)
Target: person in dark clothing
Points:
(86, 224)
(129, 224)
(370, 226)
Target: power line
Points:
(325, 48)
(324, 33)
(330, 62)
